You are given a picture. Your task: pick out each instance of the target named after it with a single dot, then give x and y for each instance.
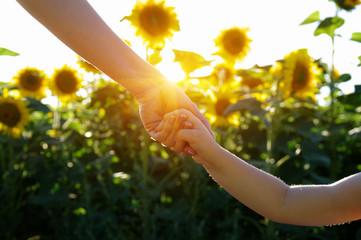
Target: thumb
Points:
(186, 135)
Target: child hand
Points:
(168, 128)
(191, 132)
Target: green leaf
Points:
(350, 101)
(358, 89)
(314, 17)
(4, 51)
(319, 179)
(359, 58)
(313, 154)
(36, 105)
(305, 128)
(189, 61)
(75, 125)
(344, 78)
(329, 25)
(250, 104)
(155, 57)
(80, 211)
(356, 36)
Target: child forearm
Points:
(272, 198)
(256, 189)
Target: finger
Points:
(160, 126)
(187, 135)
(172, 129)
(178, 112)
(149, 120)
(185, 148)
(189, 150)
(182, 118)
(180, 145)
(167, 115)
(163, 135)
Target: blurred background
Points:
(279, 82)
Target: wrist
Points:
(145, 89)
(213, 156)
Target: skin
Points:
(78, 25)
(306, 205)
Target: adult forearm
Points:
(78, 26)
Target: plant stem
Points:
(335, 163)
(271, 131)
(144, 197)
(56, 119)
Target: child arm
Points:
(308, 205)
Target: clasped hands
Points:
(161, 99)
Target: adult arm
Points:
(78, 25)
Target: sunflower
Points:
(276, 70)
(224, 75)
(219, 101)
(116, 102)
(14, 115)
(154, 22)
(233, 44)
(65, 82)
(31, 82)
(347, 5)
(300, 76)
(88, 67)
(252, 79)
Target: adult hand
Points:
(161, 99)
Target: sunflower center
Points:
(9, 114)
(351, 3)
(31, 81)
(154, 20)
(300, 77)
(66, 82)
(221, 106)
(234, 42)
(251, 82)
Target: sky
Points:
(274, 29)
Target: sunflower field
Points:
(76, 162)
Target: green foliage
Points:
(7, 52)
(356, 36)
(102, 177)
(343, 78)
(250, 104)
(314, 17)
(328, 26)
(189, 61)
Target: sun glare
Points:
(277, 34)
(171, 70)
